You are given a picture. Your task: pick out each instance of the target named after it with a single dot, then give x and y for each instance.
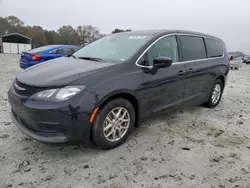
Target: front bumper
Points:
(40, 136)
(53, 122)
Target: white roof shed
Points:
(15, 43)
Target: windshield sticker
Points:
(137, 37)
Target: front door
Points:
(163, 88)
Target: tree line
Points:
(80, 36)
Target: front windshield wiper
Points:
(92, 59)
(72, 56)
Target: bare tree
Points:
(14, 21)
(37, 35)
(68, 35)
(88, 34)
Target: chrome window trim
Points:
(179, 62)
(207, 59)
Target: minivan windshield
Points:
(119, 47)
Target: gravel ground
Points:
(195, 147)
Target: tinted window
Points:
(120, 47)
(164, 47)
(192, 48)
(214, 48)
(65, 51)
(35, 50)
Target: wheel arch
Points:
(222, 78)
(128, 95)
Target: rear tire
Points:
(117, 130)
(215, 94)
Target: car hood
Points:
(61, 71)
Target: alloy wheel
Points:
(116, 124)
(216, 93)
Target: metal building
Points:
(15, 43)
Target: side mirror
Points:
(162, 62)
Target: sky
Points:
(227, 19)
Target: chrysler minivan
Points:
(108, 87)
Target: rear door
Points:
(200, 69)
(164, 88)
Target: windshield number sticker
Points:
(137, 37)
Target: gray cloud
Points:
(226, 19)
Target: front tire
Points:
(215, 95)
(113, 124)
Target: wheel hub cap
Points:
(116, 124)
(216, 93)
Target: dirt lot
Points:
(195, 147)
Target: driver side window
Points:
(165, 47)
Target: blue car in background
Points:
(45, 53)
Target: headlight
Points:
(57, 95)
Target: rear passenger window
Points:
(192, 48)
(214, 48)
(65, 51)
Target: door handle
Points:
(181, 72)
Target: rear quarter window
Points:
(65, 51)
(192, 48)
(214, 48)
(40, 49)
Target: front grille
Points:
(25, 90)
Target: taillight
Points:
(35, 57)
